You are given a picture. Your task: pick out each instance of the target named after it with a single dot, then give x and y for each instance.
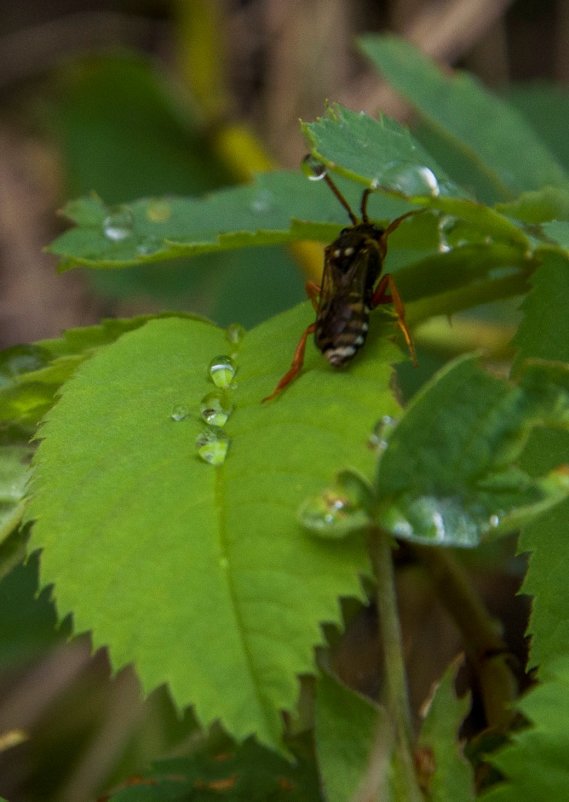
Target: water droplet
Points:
(313, 169)
(234, 333)
(410, 179)
(339, 509)
(444, 227)
(379, 438)
(494, 521)
(212, 445)
(222, 370)
(262, 201)
(148, 246)
(158, 211)
(118, 224)
(179, 412)
(216, 408)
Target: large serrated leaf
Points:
(493, 136)
(198, 574)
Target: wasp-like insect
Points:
(352, 286)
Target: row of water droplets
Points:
(212, 443)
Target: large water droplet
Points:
(158, 211)
(410, 179)
(234, 333)
(215, 408)
(339, 509)
(222, 370)
(212, 445)
(118, 224)
(313, 169)
(179, 412)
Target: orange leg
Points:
(386, 292)
(296, 364)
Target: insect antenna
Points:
(342, 200)
(363, 206)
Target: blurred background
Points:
(150, 97)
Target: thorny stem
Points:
(396, 699)
(482, 637)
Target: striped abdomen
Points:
(341, 328)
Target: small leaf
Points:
(493, 135)
(380, 153)
(201, 575)
(351, 732)
(449, 475)
(447, 775)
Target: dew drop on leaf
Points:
(147, 246)
(379, 437)
(212, 445)
(444, 227)
(410, 179)
(215, 408)
(179, 412)
(222, 370)
(337, 510)
(118, 224)
(234, 333)
(313, 169)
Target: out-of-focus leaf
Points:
(449, 474)
(534, 763)
(493, 135)
(445, 772)
(349, 732)
(244, 774)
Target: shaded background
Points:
(150, 98)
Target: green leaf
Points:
(152, 229)
(544, 333)
(14, 474)
(351, 731)
(490, 134)
(534, 764)
(448, 473)
(544, 330)
(30, 375)
(200, 575)
(381, 153)
(539, 206)
(449, 776)
(246, 774)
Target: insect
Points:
(352, 286)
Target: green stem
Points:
(481, 633)
(396, 698)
